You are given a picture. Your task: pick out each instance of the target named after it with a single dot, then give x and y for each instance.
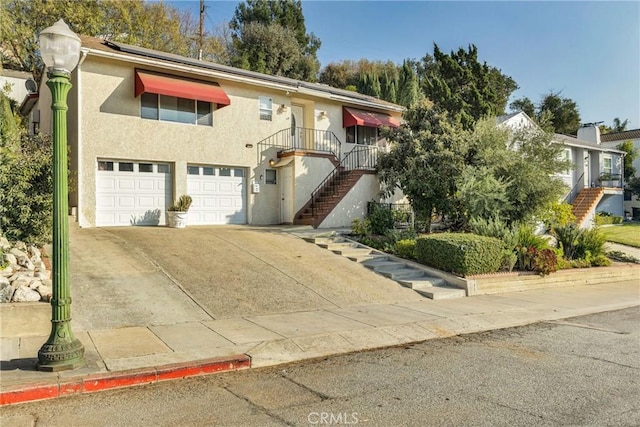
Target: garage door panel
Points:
(132, 198)
(216, 199)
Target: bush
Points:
(525, 240)
(465, 254)
(360, 227)
(380, 218)
(605, 218)
(567, 239)
(590, 244)
(182, 204)
(558, 214)
(405, 248)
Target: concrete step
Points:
(386, 264)
(404, 273)
(346, 252)
(338, 246)
(441, 292)
(422, 282)
(364, 258)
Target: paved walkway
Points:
(272, 339)
(629, 250)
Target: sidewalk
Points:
(122, 357)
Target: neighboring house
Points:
(611, 140)
(23, 90)
(595, 181)
(146, 126)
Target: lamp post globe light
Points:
(60, 51)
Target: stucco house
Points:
(595, 181)
(146, 126)
(612, 140)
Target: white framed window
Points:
(174, 109)
(607, 164)
(265, 106)
(362, 135)
(564, 156)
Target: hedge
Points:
(606, 219)
(461, 253)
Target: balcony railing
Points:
(289, 139)
(608, 180)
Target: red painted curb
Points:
(111, 380)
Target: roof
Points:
(620, 136)
(581, 143)
(137, 54)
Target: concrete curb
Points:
(113, 380)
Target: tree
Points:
(632, 154)
(153, 25)
(467, 89)
(408, 88)
(286, 18)
(618, 126)
(487, 172)
(562, 112)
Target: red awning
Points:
(353, 117)
(180, 88)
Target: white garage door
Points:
(218, 195)
(132, 193)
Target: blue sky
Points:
(590, 51)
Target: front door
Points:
(286, 192)
(297, 126)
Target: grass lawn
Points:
(626, 234)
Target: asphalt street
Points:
(580, 371)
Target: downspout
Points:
(79, 182)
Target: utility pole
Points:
(201, 35)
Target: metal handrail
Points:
(360, 158)
(324, 141)
(573, 193)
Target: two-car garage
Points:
(139, 193)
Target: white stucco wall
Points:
(354, 204)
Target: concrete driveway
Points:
(159, 275)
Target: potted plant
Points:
(177, 212)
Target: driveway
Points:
(217, 272)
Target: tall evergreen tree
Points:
(408, 89)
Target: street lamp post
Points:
(60, 51)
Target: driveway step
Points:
(408, 276)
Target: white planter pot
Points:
(177, 219)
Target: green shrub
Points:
(380, 218)
(545, 261)
(567, 239)
(460, 253)
(590, 244)
(182, 204)
(360, 227)
(406, 248)
(525, 240)
(605, 218)
(600, 261)
(558, 214)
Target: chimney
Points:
(590, 132)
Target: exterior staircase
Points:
(334, 190)
(404, 272)
(585, 202)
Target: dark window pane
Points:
(105, 166)
(145, 167)
(270, 176)
(179, 110)
(163, 168)
(238, 172)
(193, 170)
(225, 172)
(351, 135)
(205, 118)
(207, 171)
(149, 106)
(125, 167)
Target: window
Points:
(607, 165)
(225, 172)
(627, 195)
(105, 166)
(238, 172)
(265, 104)
(193, 170)
(566, 155)
(362, 135)
(173, 109)
(145, 167)
(208, 171)
(270, 176)
(125, 167)
(163, 168)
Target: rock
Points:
(24, 261)
(6, 292)
(6, 271)
(24, 294)
(4, 243)
(43, 275)
(4, 280)
(21, 281)
(21, 246)
(34, 284)
(46, 292)
(47, 282)
(17, 252)
(40, 266)
(23, 273)
(11, 259)
(34, 252)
